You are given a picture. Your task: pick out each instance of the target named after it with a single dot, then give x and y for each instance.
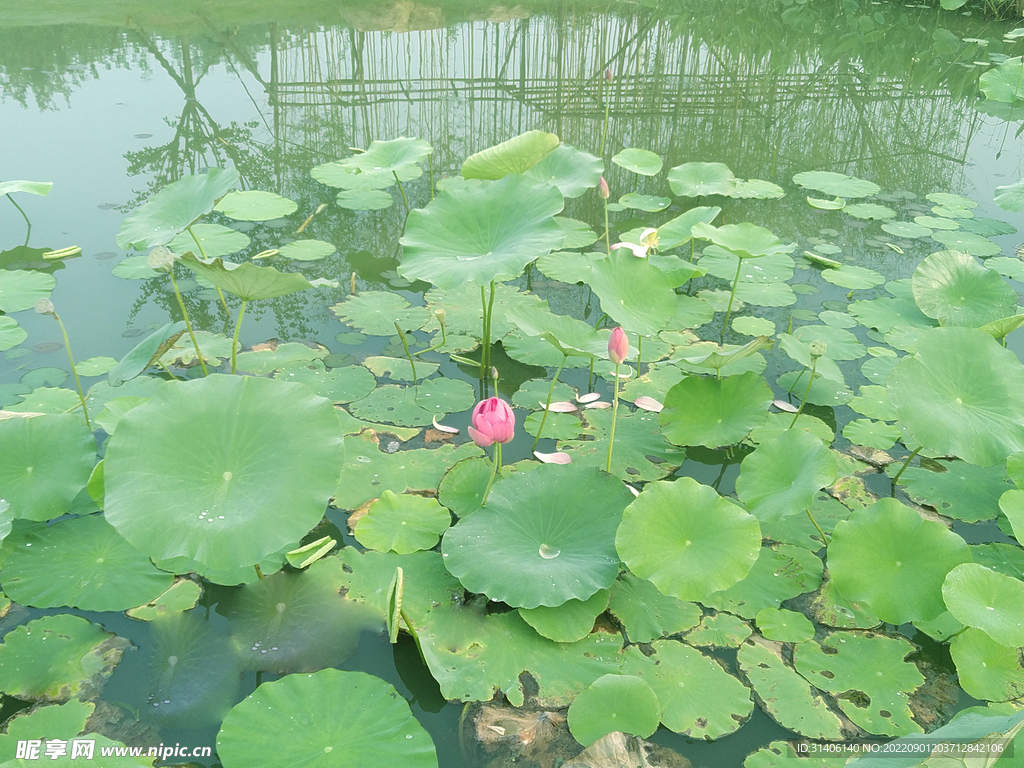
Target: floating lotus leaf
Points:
(963, 491)
(612, 703)
(342, 175)
(686, 539)
(307, 250)
(247, 281)
(840, 343)
(271, 357)
(174, 208)
(339, 385)
(365, 199)
(885, 314)
(402, 524)
(870, 672)
(641, 453)
(942, 628)
(748, 241)
(21, 289)
(760, 282)
(873, 401)
(44, 377)
(987, 227)
(906, 229)
(987, 669)
(568, 335)
(95, 366)
(462, 487)
(136, 268)
(961, 394)
(968, 242)
(46, 461)
(56, 658)
(698, 698)
(779, 573)
(397, 369)
(464, 310)
(559, 426)
(757, 189)
(753, 326)
(489, 232)
(543, 537)
(836, 184)
(48, 400)
(869, 211)
(41, 188)
(894, 560)
(678, 231)
(205, 468)
(649, 203)
(1012, 505)
(1007, 559)
(566, 623)
(517, 155)
(641, 161)
(699, 179)
(952, 212)
(720, 630)
(1004, 83)
(56, 721)
(955, 289)
(873, 434)
(386, 158)
(853, 277)
(179, 597)
(11, 334)
(799, 530)
(784, 626)
(645, 613)
(979, 597)
(785, 695)
(411, 406)
(832, 609)
(358, 720)
(715, 412)
(568, 169)
(81, 563)
(1010, 197)
(577, 233)
(782, 476)
(211, 240)
(826, 205)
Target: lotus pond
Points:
(749, 289)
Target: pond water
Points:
(111, 103)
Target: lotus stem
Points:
(488, 307)
(604, 133)
(188, 324)
(166, 369)
(202, 252)
(814, 522)
(28, 233)
(906, 463)
(803, 401)
(259, 573)
(551, 391)
(639, 351)
(732, 295)
(615, 412)
(234, 342)
(607, 235)
(302, 227)
(71, 359)
(405, 345)
(494, 471)
(401, 189)
(444, 340)
(430, 165)
(590, 378)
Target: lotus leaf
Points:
(641, 161)
(366, 199)
(402, 523)
(836, 184)
(464, 311)
(957, 489)
(136, 268)
(782, 476)
(906, 229)
(832, 609)
(271, 357)
(699, 179)
(571, 621)
(44, 377)
(339, 385)
(544, 537)
(873, 434)
(62, 721)
(21, 289)
(566, 334)
(398, 156)
(784, 626)
(698, 698)
(247, 281)
(623, 703)
(952, 212)
(48, 400)
(942, 628)
(410, 406)
(11, 334)
(686, 539)
(1011, 197)
(214, 347)
(57, 658)
(719, 630)
(144, 354)
(307, 250)
(397, 369)
(870, 211)
(870, 672)
(462, 487)
(853, 277)
(754, 326)
(359, 718)
(645, 613)
(568, 169)
(95, 366)
(648, 203)
(757, 189)
(826, 205)
(1004, 83)
(577, 233)
(748, 241)
(779, 573)
(641, 453)
(204, 469)
(785, 695)
(895, 561)
(885, 314)
(376, 312)
(1012, 505)
(760, 281)
(961, 394)
(1007, 559)
(210, 240)
(678, 231)
(41, 188)
(968, 242)
(515, 156)
(714, 412)
(987, 227)
(955, 289)
(174, 208)
(979, 597)
(987, 669)
(179, 597)
(341, 175)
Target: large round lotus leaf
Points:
(573, 172)
(481, 233)
(612, 703)
(979, 597)
(247, 281)
(962, 394)
(645, 613)
(748, 241)
(987, 669)
(174, 208)
(782, 476)
(968, 242)
(517, 155)
(57, 658)
(56, 721)
(339, 385)
(784, 694)
(1005, 82)
(955, 289)
(329, 719)
(780, 573)
(45, 462)
(21, 289)
(963, 491)
(213, 240)
(699, 179)
(542, 538)
(402, 523)
(566, 623)
(836, 184)
(870, 672)
(698, 698)
(224, 470)
(376, 312)
(894, 560)
(641, 161)
(686, 539)
(81, 563)
(715, 412)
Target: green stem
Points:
(405, 345)
(607, 235)
(639, 351)
(258, 571)
(494, 470)
(728, 309)
(551, 391)
(488, 307)
(166, 369)
(28, 233)
(71, 359)
(615, 411)
(803, 401)
(590, 377)
(234, 342)
(402, 190)
(444, 340)
(430, 164)
(604, 133)
(906, 464)
(188, 324)
(814, 522)
(202, 252)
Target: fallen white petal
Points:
(634, 490)
(782, 405)
(648, 404)
(589, 398)
(444, 427)
(553, 458)
(561, 407)
(599, 404)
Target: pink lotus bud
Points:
(608, 76)
(493, 422)
(602, 189)
(618, 346)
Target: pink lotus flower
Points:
(602, 189)
(648, 242)
(493, 422)
(618, 346)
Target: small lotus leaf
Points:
(1004, 83)
(715, 412)
(57, 658)
(515, 156)
(987, 669)
(307, 250)
(247, 281)
(20, 289)
(979, 597)
(687, 539)
(641, 453)
(44, 377)
(614, 703)
(784, 626)
(11, 334)
(961, 394)
(578, 234)
(1012, 505)
(853, 277)
(700, 179)
(641, 161)
(339, 385)
(968, 242)
(757, 189)
(204, 469)
(181, 596)
(779, 573)
(1011, 197)
(174, 208)
(397, 369)
(678, 231)
(341, 175)
(826, 205)
(719, 630)
(645, 613)
(365, 199)
(210, 240)
(462, 487)
(987, 227)
(359, 718)
(566, 623)
(649, 203)
(873, 434)
(832, 609)
(963, 491)
(836, 184)
(95, 366)
(543, 537)
(568, 169)
(785, 695)
(58, 721)
(906, 229)
(402, 523)
(136, 268)
(753, 326)
(49, 400)
(255, 205)
(273, 357)
(870, 211)
(782, 476)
